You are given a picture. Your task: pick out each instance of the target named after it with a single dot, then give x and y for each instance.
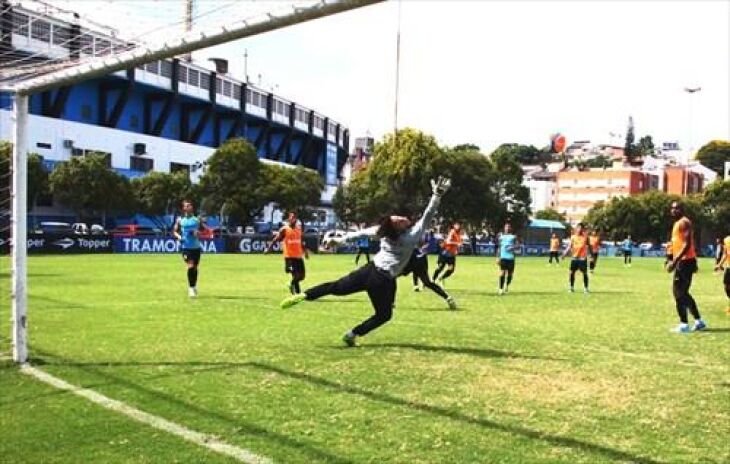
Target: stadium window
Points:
(193, 77)
(104, 47)
(236, 91)
(166, 69)
(227, 88)
(87, 43)
(249, 96)
(40, 30)
(45, 146)
(61, 36)
(20, 23)
(182, 75)
(141, 164)
(219, 85)
(152, 67)
(204, 80)
(177, 167)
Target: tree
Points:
(232, 182)
(485, 192)
(37, 180)
(629, 147)
(467, 147)
(714, 155)
(600, 161)
(89, 187)
(158, 194)
(524, 154)
(645, 146)
(550, 214)
(292, 189)
(716, 206)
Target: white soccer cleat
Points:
(193, 292)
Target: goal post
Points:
(19, 228)
(21, 84)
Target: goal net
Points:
(45, 46)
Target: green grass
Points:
(538, 375)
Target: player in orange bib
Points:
(447, 257)
(594, 246)
(293, 247)
(579, 249)
(554, 249)
(684, 265)
(725, 262)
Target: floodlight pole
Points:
(18, 227)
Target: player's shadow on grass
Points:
(717, 330)
(479, 352)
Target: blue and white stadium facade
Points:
(164, 116)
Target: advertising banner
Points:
(162, 245)
(67, 244)
(257, 243)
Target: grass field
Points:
(539, 375)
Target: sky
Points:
(483, 72)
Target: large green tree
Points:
(292, 189)
(714, 155)
(231, 184)
(159, 193)
(716, 206)
(524, 154)
(37, 180)
(485, 192)
(646, 216)
(90, 188)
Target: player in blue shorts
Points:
(187, 231)
(506, 260)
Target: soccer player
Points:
(290, 236)
(626, 247)
(418, 265)
(554, 249)
(684, 265)
(506, 260)
(579, 248)
(725, 261)
(187, 231)
(594, 242)
(447, 257)
(398, 236)
(363, 247)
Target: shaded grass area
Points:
(539, 375)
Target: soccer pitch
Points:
(538, 375)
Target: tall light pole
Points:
(691, 91)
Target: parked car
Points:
(97, 229)
(646, 246)
(209, 233)
(51, 227)
(331, 234)
(80, 228)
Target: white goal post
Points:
(50, 78)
